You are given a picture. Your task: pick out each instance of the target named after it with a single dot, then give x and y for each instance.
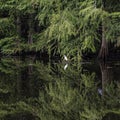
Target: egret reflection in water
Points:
(100, 91)
(65, 67)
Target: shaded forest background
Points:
(56, 27)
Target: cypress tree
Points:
(59, 27)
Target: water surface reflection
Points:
(33, 90)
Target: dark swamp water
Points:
(34, 90)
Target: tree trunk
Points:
(18, 25)
(18, 28)
(31, 28)
(104, 46)
(103, 53)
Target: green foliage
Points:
(9, 46)
(56, 26)
(6, 27)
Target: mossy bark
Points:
(103, 53)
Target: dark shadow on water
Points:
(20, 116)
(111, 116)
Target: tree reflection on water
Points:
(32, 90)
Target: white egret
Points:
(65, 58)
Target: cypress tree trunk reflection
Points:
(106, 75)
(18, 72)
